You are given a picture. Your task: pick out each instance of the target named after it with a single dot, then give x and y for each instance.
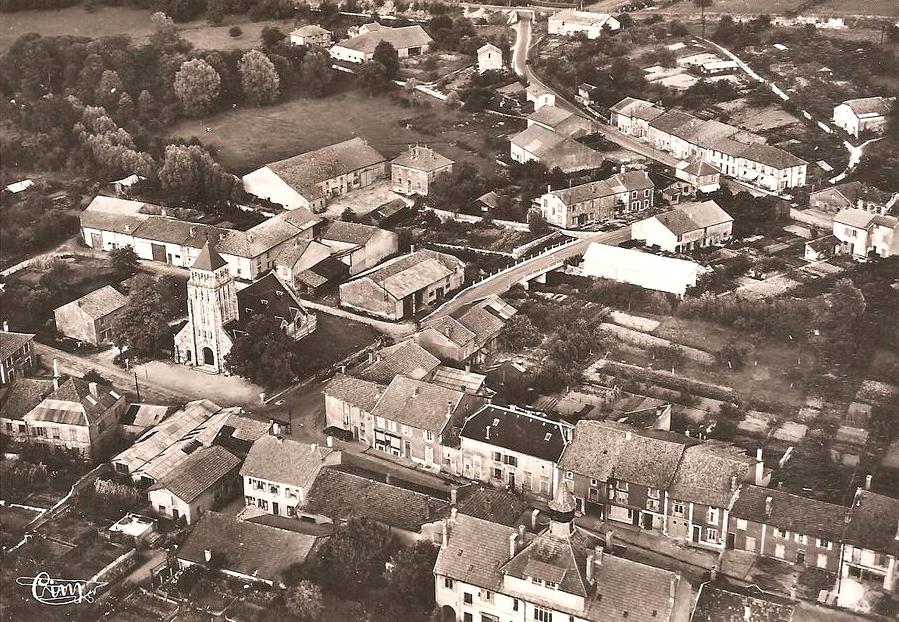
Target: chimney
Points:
(387, 478)
(747, 613)
(5, 326)
(591, 562)
(92, 386)
(713, 574)
(868, 479)
(733, 482)
(193, 231)
(598, 552)
(897, 530)
(453, 513)
(279, 439)
(512, 538)
(449, 407)
(55, 374)
(759, 467)
(521, 533)
(610, 535)
(454, 495)
(329, 441)
(768, 502)
(627, 435)
(314, 447)
(275, 427)
(487, 433)
(415, 391)
(445, 534)
(207, 555)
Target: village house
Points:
(561, 121)
(310, 179)
(632, 116)
(414, 170)
(554, 150)
(539, 96)
(853, 194)
(349, 403)
(723, 602)
(295, 263)
(701, 175)
(16, 354)
(820, 248)
(515, 448)
(110, 223)
(628, 265)
(278, 473)
(569, 22)
(487, 571)
(159, 451)
(863, 234)
(704, 486)
(771, 168)
(359, 246)
(490, 58)
(870, 552)
(311, 34)
(403, 286)
(622, 474)
(18, 399)
(204, 481)
(598, 201)
(90, 318)
(469, 335)
(410, 513)
(77, 416)
(686, 227)
(866, 115)
(406, 358)
(420, 421)
(798, 530)
(246, 550)
(406, 40)
(217, 313)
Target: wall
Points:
(72, 321)
(364, 295)
(532, 475)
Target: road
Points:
(522, 30)
(503, 281)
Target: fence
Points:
(443, 214)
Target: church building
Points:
(217, 312)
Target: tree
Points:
(372, 77)
(263, 353)
(215, 11)
(733, 355)
(258, 78)
(304, 601)
(143, 325)
(702, 4)
(411, 577)
(387, 55)
(197, 86)
(56, 280)
(165, 37)
(189, 173)
(272, 36)
(520, 333)
(123, 261)
(352, 560)
(316, 74)
(109, 89)
(537, 223)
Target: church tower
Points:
(211, 302)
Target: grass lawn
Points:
(247, 138)
(88, 560)
(334, 338)
(13, 522)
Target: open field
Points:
(334, 339)
(105, 21)
(246, 138)
(886, 8)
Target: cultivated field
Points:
(887, 8)
(246, 138)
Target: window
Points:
(652, 493)
(274, 489)
(262, 504)
(543, 615)
(250, 500)
(487, 595)
(514, 604)
(379, 421)
(741, 524)
(467, 617)
(622, 486)
(497, 457)
(712, 516)
(823, 543)
(9, 426)
(448, 583)
(647, 192)
(468, 598)
(511, 460)
(569, 475)
(551, 585)
(780, 533)
(429, 436)
(677, 508)
(801, 538)
(594, 482)
(40, 432)
(497, 473)
(711, 535)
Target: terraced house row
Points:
(735, 152)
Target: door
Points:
(696, 533)
(822, 560)
(158, 251)
(407, 449)
(800, 556)
(731, 540)
(780, 552)
(208, 357)
(275, 508)
(355, 432)
(512, 480)
(750, 544)
(96, 240)
(646, 520)
(176, 514)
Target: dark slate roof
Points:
(671, 121)
(349, 232)
(269, 296)
(209, 259)
(204, 468)
(874, 523)
(560, 560)
(677, 222)
(422, 159)
(406, 358)
(527, 432)
(491, 504)
(418, 404)
(100, 302)
(791, 512)
(340, 494)
(354, 391)
(284, 461)
(628, 591)
(247, 548)
(710, 473)
(476, 550)
(23, 395)
(725, 603)
(400, 38)
(74, 404)
(771, 156)
(12, 342)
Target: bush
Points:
(235, 31)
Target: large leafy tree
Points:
(123, 261)
(263, 353)
(387, 55)
(316, 74)
(258, 78)
(143, 325)
(189, 173)
(411, 577)
(304, 601)
(197, 86)
(373, 77)
(352, 561)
